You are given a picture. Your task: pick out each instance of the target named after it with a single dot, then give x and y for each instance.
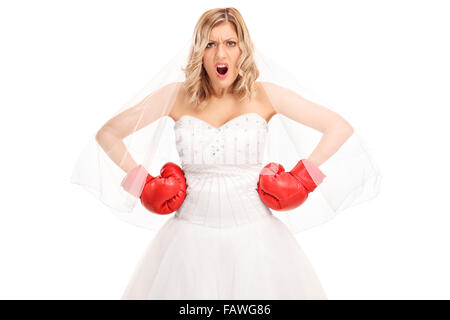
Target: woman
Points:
(223, 242)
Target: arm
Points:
(151, 108)
(282, 190)
(336, 130)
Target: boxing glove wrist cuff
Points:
(314, 172)
(134, 180)
(308, 174)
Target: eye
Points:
(233, 42)
(209, 44)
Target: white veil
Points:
(141, 132)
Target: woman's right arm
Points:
(154, 106)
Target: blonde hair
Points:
(197, 85)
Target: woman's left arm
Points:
(336, 130)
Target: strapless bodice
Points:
(221, 166)
(241, 140)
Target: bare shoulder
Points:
(264, 86)
(180, 101)
(263, 99)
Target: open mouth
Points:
(221, 70)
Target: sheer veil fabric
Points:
(141, 132)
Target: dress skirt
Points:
(257, 260)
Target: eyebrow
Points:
(232, 38)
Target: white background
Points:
(66, 66)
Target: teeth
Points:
(221, 65)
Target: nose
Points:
(220, 51)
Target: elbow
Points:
(350, 130)
(338, 125)
(341, 131)
(99, 136)
(103, 136)
(342, 128)
(346, 131)
(106, 138)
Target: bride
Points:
(223, 241)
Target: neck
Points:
(222, 92)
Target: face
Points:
(222, 49)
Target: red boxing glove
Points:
(280, 190)
(162, 194)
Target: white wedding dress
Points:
(223, 242)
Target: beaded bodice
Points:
(241, 140)
(221, 166)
